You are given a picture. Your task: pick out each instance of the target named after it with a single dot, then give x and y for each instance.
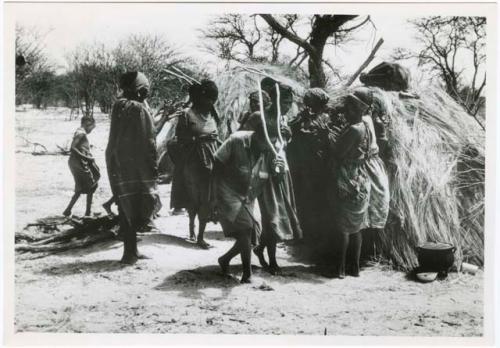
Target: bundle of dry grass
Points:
(236, 84)
(435, 165)
(436, 170)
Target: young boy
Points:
(82, 165)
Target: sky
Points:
(69, 25)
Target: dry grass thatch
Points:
(436, 166)
(237, 83)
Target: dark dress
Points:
(280, 221)
(85, 172)
(308, 159)
(131, 160)
(193, 156)
(277, 205)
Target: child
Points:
(82, 165)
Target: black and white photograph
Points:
(311, 170)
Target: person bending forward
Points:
(243, 164)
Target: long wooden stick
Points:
(278, 110)
(365, 63)
(263, 119)
(178, 76)
(186, 75)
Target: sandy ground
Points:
(179, 288)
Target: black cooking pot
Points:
(436, 257)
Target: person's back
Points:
(131, 159)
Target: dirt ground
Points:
(179, 288)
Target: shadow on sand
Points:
(167, 239)
(189, 283)
(79, 267)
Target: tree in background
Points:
(34, 72)
(151, 54)
(233, 37)
(93, 76)
(245, 38)
(324, 29)
(445, 43)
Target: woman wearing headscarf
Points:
(308, 158)
(361, 183)
(131, 160)
(197, 140)
(244, 163)
(254, 106)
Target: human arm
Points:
(347, 141)
(74, 146)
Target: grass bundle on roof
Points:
(435, 166)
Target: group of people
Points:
(281, 165)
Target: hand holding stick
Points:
(264, 125)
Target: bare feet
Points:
(129, 259)
(274, 270)
(107, 208)
(246, 279)
(202, 244)
(132, 259)
(259, 252)
(224, 266)
(354, 272)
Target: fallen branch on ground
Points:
(57, 234)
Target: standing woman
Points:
(196, 140)
(280, 221)
(308, 157)
(131, 159)
(361, 183)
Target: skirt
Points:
(85, 173)
(245, 222)
(362, 190)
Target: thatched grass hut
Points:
(435, 163)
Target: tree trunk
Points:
(317, 77)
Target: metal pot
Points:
(436, 257)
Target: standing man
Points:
(131, 159)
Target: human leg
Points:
(89, 204)
(130, 252)
(358, 240)
(107, 206)
(201, 231)
(245, 246)
(344, 244)
(271, 253)
(192, 216)
(259, 252)
(67, 211)
(225, 259)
